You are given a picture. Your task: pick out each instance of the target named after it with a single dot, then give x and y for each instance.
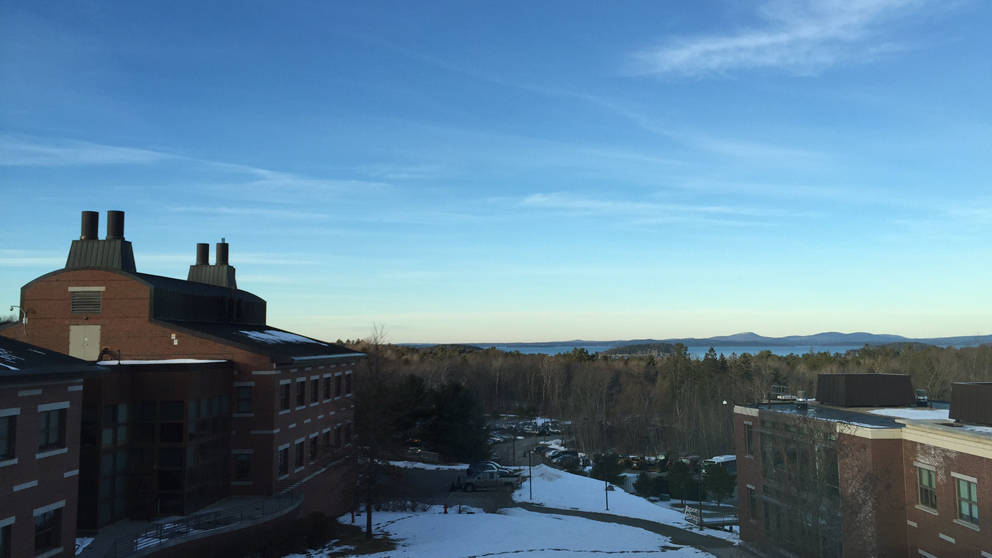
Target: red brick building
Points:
(41, 396)
(844, 477)
(203, 399)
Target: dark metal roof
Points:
(189, 287)
(833, 414)
(110, 254)
(279, 345)
(865, 390)
(22, 361)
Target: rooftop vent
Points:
(971, 402)
(91, 252)
(865, 390)
(220, 274)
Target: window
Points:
(928, 488)
(284, 396)
(114, 425)
(337, 435)
(52, 430)
(301, 393)
(314, 391)
(313, 448)
(337, 386)
(242, 399)
(47, 530)
(752, 503)
(327, 441)
(299, 454)
(284, 461)
(327, 388)
(748, 439)
(8, 425)
(347, 433)
(242, 466)
(347, 383)
(967, 501)
(86, 302)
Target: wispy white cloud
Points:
(15, 151)
(266, 212)
(236, 258)
(799, 37)
(648, 212)
(29, 258)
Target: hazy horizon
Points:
(519, 171)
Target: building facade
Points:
(203, 398)
(818, 478)
(40, 407)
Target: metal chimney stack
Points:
(115, 225)
(202, 253)
(222, 252)
(88, 226)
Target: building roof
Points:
(25, 361)
(188, 287)
(279, 345)
(833, 414)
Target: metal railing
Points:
(200, 523)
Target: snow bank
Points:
(430, 466)
(558, 489)
(514, 531)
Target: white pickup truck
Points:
(487, 476)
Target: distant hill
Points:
(647, 349)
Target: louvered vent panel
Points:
(87, 302)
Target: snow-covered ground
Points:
(557, 489)
(429, 466)
(513, 531)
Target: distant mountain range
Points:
(751, 339)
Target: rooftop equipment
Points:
(865, 390)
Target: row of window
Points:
(342, 437)
(318, 390)
(51, 436)
(47, 532)
(965, 490)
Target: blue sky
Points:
(516, 171)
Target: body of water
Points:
(697, 351)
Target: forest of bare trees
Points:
(650, 405)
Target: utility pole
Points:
(530, 474)
(606, 490)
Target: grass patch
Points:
(352, 539)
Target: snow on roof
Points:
(913, 414)
(276, 336)
(977, 429)
(722, 458)
(8, 358)
(165, 361)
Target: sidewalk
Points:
(714, 545)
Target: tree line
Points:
(659, 403)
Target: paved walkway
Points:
(714, 545)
